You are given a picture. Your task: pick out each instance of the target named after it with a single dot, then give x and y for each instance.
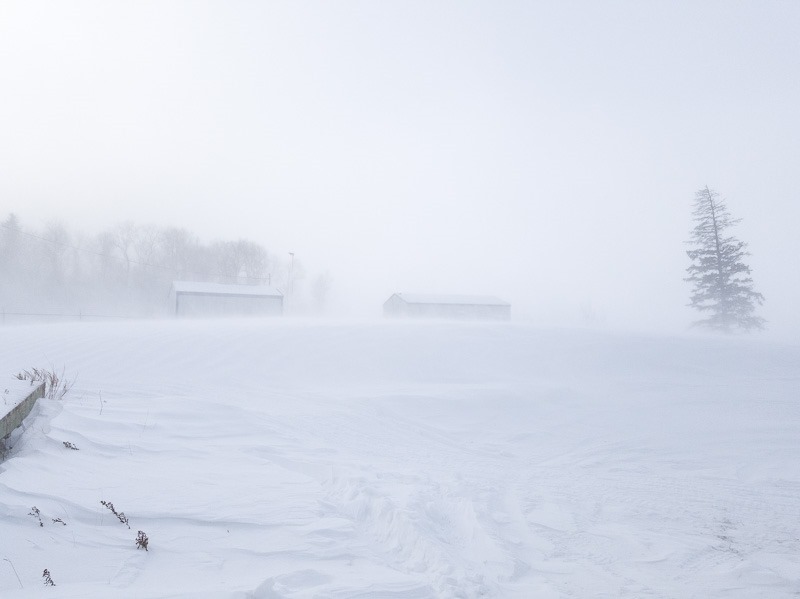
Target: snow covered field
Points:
(285, 459)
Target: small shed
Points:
(458, 307)
(215, 299)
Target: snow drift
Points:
(401, 460)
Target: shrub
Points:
(142, 540)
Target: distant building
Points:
(214, 299)
(459, 307)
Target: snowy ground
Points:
(12, 392)
(284, 459)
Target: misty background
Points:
(545, 153)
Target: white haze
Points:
(546, 153)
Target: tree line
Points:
(126, 270)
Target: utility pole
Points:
(291, 276)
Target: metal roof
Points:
(221, 289)
(461, 300)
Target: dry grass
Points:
(120, 515)
(55, 385)
(48, 581)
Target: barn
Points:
(214, 299)
(458, 307)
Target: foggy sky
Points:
(544, 152)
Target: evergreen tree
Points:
(722, 286)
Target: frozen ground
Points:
(402, 460)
